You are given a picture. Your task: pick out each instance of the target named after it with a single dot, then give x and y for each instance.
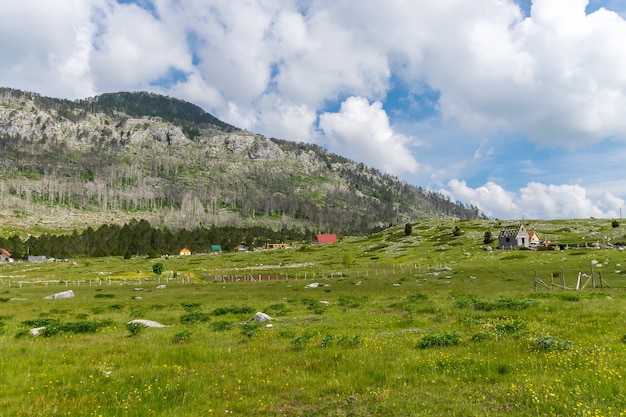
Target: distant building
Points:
(216, 248)
(324, 239)
(33, 258)
(5, 256)
(275, 246)
(512, 237)
(533, 237)
(185, 252)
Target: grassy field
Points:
(422, 325)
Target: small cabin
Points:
(513, 237)
(5, 256)
(185, 252)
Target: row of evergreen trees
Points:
(139, 238)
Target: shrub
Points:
(76, 327)
(250, 329)
(221, 325)
(479, 337)
(547, 343)
(327, 341)
(417, 297)
(347, 341)
(221, 311)
(104, 296)
(181, 337)
(301, 341)
(510, 327)
(443, 339)
(189, 307)
(349, 301)
(134, 328)
(194, 317)
(277, 310)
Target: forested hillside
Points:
(116, 157)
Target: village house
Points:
(185, 252)
(324, 239)
(275, 246)
(5, 256)
(513, 237)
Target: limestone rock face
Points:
(265, 150)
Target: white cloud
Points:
(45, 47)
(134, 49)
(362, 131)
(536, 201)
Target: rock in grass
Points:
(60, 295)
(161, 287)
(36, 331)
(261, 318)
(147, 323)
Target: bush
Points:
(134, 328)
(250, 329)
(444, 339)
(221, 325)
(194, 317)
(104, 296)
(181, 337)
(76, 327)
(220, 311)
(547, 343)
(416, 297)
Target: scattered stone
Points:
(137, 298)
(261, 317)
(147, 323)
(36, 331)
(161, 287)
(18, 299)
(60, 295)
(139, 289)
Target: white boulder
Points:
(36, 331)
(147, 323)
(60, 295)
(261, 317)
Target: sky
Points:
(517, 107)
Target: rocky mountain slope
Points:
(107, 159)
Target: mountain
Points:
(115, 157)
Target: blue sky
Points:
(515, 107)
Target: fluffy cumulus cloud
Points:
(363, 130)
(46, 47)
(536, 201)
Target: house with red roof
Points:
(5, 256)
(324, 239)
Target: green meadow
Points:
(429, 324)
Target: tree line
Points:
(139, 238)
